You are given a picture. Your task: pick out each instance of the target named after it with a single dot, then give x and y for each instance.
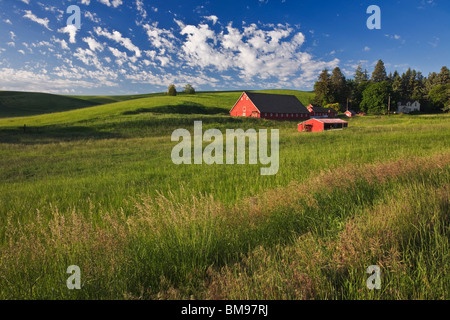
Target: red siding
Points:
(245, 108)
(316, 125)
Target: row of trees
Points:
(372, 94)
(172, 90)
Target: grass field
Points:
(96, 187)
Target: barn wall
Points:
(244, 104)
(289, 116)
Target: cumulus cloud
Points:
(254, 52)
(212, 18)
(44, 22)
(113, 3)
(117, 37)
(71, 30)
(38, 80)
(93, 44)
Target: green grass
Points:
(17, 104)
(96, 187)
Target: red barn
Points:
(269, 106)
(316, 111)
(315, 125)
(350, 113)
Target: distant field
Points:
(96, 187)
(18, 104)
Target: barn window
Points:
(282, 115)
(271, 114)
(276, 115)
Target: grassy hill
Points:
(23, 104)
(97, 187)
(19, 104)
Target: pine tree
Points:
(172, 91)
(338, 86)
(358, 87)
(444, 76)
(379, 74)
(322, 89)
(360, 76)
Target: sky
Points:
(140, 46)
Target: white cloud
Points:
(38, 80)
(140, 8)
(26, 1)
(88, 57)
(7, 21)
(44, 22)
(254, 52)
(117, 37)
(71, 30)
(62, 43)
(92, 16)
(212, 18)
(121, 57)
(93, 44)
(366, 49)
(113, 3)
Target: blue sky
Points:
(140, 46)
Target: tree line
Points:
(373, 93)
(172, 90)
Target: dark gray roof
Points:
(276, 103)
(320, 109)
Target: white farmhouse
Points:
(408, 106)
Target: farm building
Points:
(316, 111)
(350, 113)
(408, 106)
(315, 125)
(269, 106)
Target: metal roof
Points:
(276, 103)
(328, 120)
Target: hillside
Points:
(21, 104)
(200, 103)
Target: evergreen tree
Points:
(172, 91)
(379, 74)
(360, 76)
(444, 76)
(323, 89)
(338, 87)
(358, 86)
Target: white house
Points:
(408, 106)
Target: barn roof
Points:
(319, 109)
(327, 120)
(276, 103)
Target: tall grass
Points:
(310, 240)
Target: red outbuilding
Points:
(269, 106)
(316, 111)
(350, 113)
(315, 125)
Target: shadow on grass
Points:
(51, 134)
